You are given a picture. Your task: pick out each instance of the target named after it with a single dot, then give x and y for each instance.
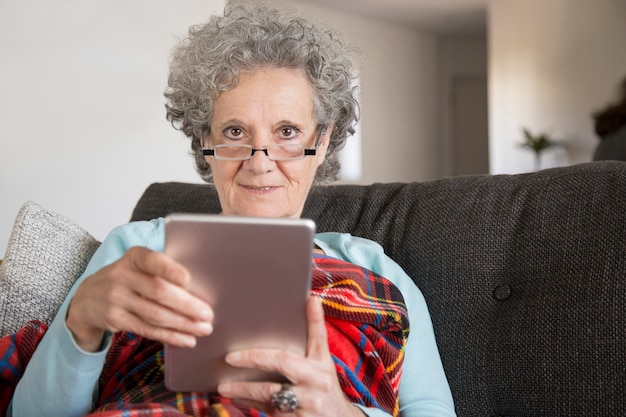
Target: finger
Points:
(317, 338)
(155, 314)
(146, 318)
(136, 325)
(153, 300)
(158, 264)
(258, 393)
(289, 364)
(155, 276)
(165, 294)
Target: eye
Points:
(233, 132)
(288, 132)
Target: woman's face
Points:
(267, 107)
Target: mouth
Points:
(253, 188)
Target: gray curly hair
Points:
(246, 38)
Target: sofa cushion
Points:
(523, 274)
(45, 255)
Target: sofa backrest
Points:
(524, 275)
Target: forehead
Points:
(267, 95)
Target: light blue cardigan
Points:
(62, 379)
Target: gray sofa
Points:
(524, 275)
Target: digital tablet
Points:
(256, 275)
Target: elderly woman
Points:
(267, 100)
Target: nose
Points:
(259, 163)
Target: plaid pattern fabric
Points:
(15, 351)
(367, 326)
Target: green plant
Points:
(537, 143)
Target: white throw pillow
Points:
(45, 255)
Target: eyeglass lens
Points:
(274, 152)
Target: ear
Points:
(326, 135)
(323, 146)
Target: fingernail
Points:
(206, 314)
(224, 389)
(233, 357)
(188, 341)
(205, 328)
(318, 304)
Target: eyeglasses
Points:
(235, 152)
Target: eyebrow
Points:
(283, 122)
(231, 122)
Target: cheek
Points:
(224, 171)
(304, 174)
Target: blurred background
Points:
(446, 89)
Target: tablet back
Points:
(256, 274)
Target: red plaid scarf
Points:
(367, 326)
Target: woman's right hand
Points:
(145, 293)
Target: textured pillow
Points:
(45, 255)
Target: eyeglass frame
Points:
(253, 149)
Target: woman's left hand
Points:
(314, 378)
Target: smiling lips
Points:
(259, 188)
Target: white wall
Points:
(81, 108)
(400, 104)
(82, 120)
(460, 56)
(551, 64)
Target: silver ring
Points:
(285, 400)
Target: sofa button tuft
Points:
(502, 292)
